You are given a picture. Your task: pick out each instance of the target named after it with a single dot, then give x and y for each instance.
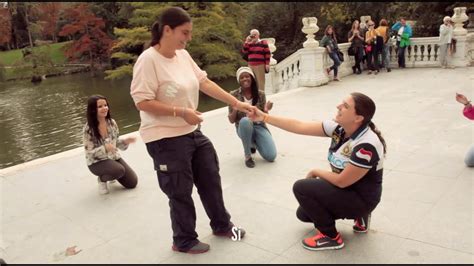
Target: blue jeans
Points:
(386, 56)
(469, 160)
(251, 133)
(337, 62)
(401, 55)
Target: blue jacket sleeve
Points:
(396, 26)
(408, 30)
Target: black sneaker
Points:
(196, 249)
(253, 150)
(361, 224)
(388, 70)
(250, 163)
(323, 242)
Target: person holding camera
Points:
(468, 112)
(404, 33)
(445, 38)
(357, 46)
(257, 54)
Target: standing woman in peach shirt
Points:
(165, 88)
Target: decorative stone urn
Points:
(310, 28)
(272, 47)
(459, 18)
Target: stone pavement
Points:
(425, 216)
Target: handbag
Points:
(351, 51)
(368, 48)
(340, 55)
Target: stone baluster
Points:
(271, 78)
(311, 69)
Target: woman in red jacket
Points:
(468, 112)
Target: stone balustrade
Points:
(306, 67)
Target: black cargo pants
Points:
(181, 162)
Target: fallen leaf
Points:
(70, 251)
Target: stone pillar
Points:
(271, 76)
(363, 19)
(470, 14)
(310, 28)
(459, 58)
(311, 67)
(271, 45)
(459, 18)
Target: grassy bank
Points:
(55, 50)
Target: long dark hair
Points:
(92, 116)
(173, 17)
(365, 107)
(253, 89)
(333, 35)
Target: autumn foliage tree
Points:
(48, 14)
(89, 41)
(5, 27)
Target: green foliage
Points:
(35, 62)
(216, 43)
(56, 53)
(120, 72)
(2, 73)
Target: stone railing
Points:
(306, 67)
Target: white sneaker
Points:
(112, 181)
(103, 189)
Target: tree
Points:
(48, 14)
(216, 42)
(89, 39)
(5, 27)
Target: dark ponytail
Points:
(379, 134)
(156, 32)
(172, 17)
(365, 107)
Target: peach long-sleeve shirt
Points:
(174, 81)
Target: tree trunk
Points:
(28, 26)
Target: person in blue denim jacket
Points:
(404, 33)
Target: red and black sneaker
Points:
(323, 242)
(361, 224)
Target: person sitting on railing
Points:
(404, 34)
(101, 140)
(353, 188)
(252, 133)
(329, 41)
(445, 38)
(468, 112)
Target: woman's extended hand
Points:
(461, 99)
(243, 107)
(256, 115)
(129, 140)
(313, 174)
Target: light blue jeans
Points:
(251, 133)
(469, 160)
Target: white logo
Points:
(236, 234)
(321, 243)
(163, 167)
(171, 90)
